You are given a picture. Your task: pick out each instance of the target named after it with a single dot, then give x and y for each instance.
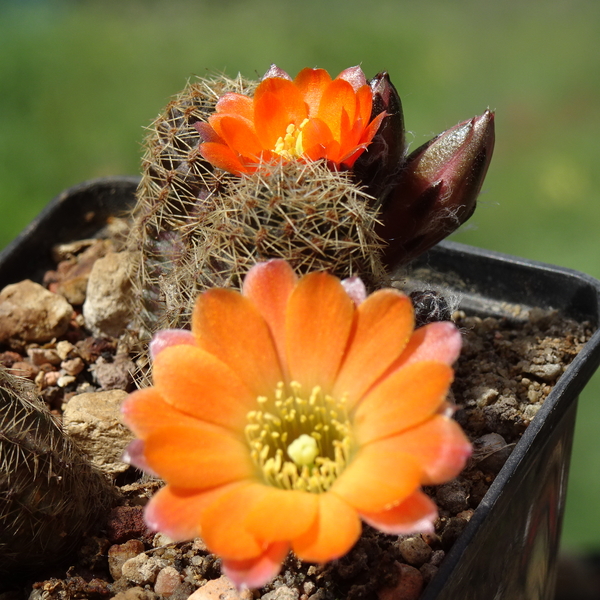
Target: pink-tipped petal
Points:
(413, 515)
(256, 572)
(355, 288)
(134, 455)
(440, 342)
(275, 71)
(170, 337)
(176, 512)
(354, 76)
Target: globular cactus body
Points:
(49, 494)
(197, 227)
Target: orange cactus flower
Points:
(309, 118)
(291, 412)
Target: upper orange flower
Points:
(291, 412)
(309, 118)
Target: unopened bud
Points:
(378, 166)
(437, 189)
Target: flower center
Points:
(290, 145)
(299, 442)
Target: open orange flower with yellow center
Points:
(292, 411)
(309, 118)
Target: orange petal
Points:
(413, 515)
(383, 326)
(371, 130)
(256, 572)
(316, 137)
(318, 323)
(277, 104)
(176, 512)
(229, 326)
(199, 384)
(312, 83)
(364, 98)
(222, 157)
(199, 457)
(404, 399)
(439, 445)
(268, 285)
(378, 476)
(282, 515)
(223, 522)
(145, 411)
(337, 96)
(332, 534)
(238, 134)
(236, 104)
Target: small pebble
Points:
(74, 366)
(51, 378)
(409, 586)
(282, 593)
(118, 554)
(452, 496)
(415, 551)
(220, 589)
(40, 356)
(167, 581)
(64, 348)
(24, 369)
(31, 313)
(65, 380)
(142, 569)
(454, 527)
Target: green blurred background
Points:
(79, 80)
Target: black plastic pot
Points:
(522, 511)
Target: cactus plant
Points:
(197, 226)
(49, 494)
(311, 170)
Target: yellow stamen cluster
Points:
(313, 432)
(290, 145)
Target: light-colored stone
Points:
(167, 581)
(119, 554)
(106, 306)
(220, 589)
(93, 420)
(282, 592)
(31, 313)
(415, 551)
(64, 348)
(41, 356)
(142, 569)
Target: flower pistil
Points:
(314, 432)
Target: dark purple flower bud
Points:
(379, 165)
(437, 189)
